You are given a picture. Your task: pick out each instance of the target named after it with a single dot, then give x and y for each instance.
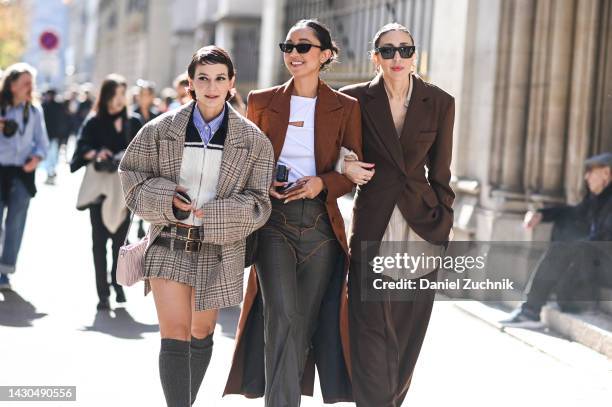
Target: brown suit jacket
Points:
(412, 171)
(337, 124)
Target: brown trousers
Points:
(386, 337)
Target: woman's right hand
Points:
(178, 203)
(358, 172)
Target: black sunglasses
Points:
(287, 48)
(387, 52)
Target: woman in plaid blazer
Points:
(200, 175)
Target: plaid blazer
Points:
(150, 172)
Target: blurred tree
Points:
(13, 32)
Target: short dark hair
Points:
(107, 92)
(323, 35)
(210, 55)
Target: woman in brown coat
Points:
(293, 306)
(407, 133)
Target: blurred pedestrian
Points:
(415, 207)
(23, 144)
(570, 265)
(238, 103)
(85, 104)
(181, 86)
(200, 175)
(58, 127)
(102, 141)
(167, 98)
(147, 111)
(295, 293)
(146, 96)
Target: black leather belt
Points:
(177, 244)
(188, 232)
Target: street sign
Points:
(48, 40)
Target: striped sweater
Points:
(201, 165)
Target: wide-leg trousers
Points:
(297, 255)
(386, 337)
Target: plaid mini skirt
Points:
(174, 265)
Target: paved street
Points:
(51, 334)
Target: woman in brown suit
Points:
(407, 133)
(293, 304)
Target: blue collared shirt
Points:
(207, 130)
(34, 141)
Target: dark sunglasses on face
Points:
(287, 48)
(405, 51)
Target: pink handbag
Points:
(130, 264)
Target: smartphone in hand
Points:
(290, 187)
(183, 197)
(178, 213)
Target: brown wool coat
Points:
(337, 124)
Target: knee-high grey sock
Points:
(201, 351)
(174, 372)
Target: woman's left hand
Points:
(312, 187)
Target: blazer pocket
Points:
(429, 136)
(430, 198)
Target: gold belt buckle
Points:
(192, 246)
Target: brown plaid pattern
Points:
(149, 174)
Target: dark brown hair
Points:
(211, 55)
(10, 76)
(324, 36)
(388, 28)
(107, 92)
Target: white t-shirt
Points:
(298, 152)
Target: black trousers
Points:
(297, 256)
(567, 269)
(100, 235)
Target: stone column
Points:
(583, 82)
(272, 20)
(513, 87)
(602, 129)
(550, 97)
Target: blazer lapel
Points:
(234, 154)
(278, 113)
(327, 125)
(419, 108)
(171, 148)
(378, 111)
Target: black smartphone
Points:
(282, 173)
(290, 187)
